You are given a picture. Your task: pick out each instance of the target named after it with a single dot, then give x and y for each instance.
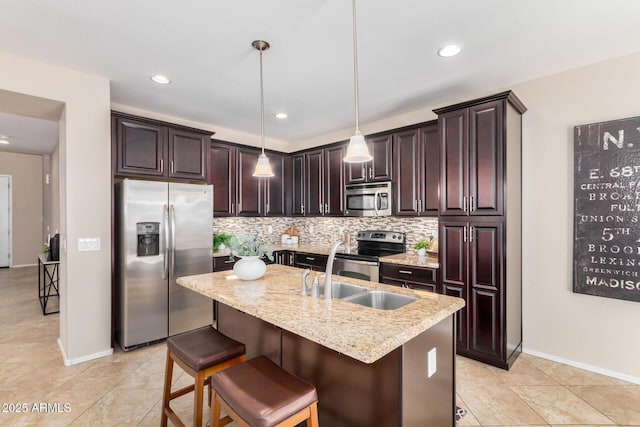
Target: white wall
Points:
(598, 332)
(85, 202)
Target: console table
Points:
(48, 279)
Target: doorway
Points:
(5, 220)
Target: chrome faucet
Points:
(327, 276)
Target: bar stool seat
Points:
(258, 393)
(200, 353)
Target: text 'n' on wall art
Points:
(606, 241)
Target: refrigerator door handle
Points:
(172, 216)
(165, 220)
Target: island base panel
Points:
(258, 336)
(350, 393)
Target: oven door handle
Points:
(354, 261)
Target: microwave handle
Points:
(375, 202)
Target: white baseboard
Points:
(23, 265)
(69, 362)
(590, 368)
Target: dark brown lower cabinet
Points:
(473, 267)
(419, 278)
(314, 262)
(284, 258)
(223, 263)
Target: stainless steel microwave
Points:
(373, 199)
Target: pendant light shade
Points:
(357, 150)
(263, 168)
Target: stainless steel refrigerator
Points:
(163, 231)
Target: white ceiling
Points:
(204, 47)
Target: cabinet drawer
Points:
(223, 263)
(313, 261)
(408, 273)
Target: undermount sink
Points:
(381, 300)
(341, 290)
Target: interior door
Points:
(5, 209)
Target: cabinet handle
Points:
(364, 171)
(161, 165)
(472, 230)
(172, 168)
(464, 203)
(464, 237)
(471, 203)
(229, 261)
(309, 258)
(370, 173)
(302, 208)
(419, 205)
(326, 208)
(321, 207)
(405, 272)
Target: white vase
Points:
(249, 268)
(422, 252)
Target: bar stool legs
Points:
(200, 354)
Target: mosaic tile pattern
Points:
(327, 229)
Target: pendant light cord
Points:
(261, 106)
(355, 68)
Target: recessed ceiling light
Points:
(160, 79)
(449, 50)
(281, 116)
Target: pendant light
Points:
(263, 168)
(357, 150)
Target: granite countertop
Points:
(412, 259)
(363, 333)
(407, 258)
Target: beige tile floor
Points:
(125, 389)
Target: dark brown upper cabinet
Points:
(416, 165)
(151, 149)
(379, 168)
(298, 192)
(236, 192)
(324, 172)
(472, 155)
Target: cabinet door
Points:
(274, 204)
(453, 272)
(222, 175)
(407, 172)
(314, 168)
(430, 157)
(334, 181)
(453, 163)
(141, 148)
(486, 183)
(357, 172)
(249, 195)
(381, 167)
(485, 280)
(298, 195)
(187, 155)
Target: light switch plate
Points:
(89, 244)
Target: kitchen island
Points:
(370, 366)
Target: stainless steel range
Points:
(364, 262)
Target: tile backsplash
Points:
(325, 230)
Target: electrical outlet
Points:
(270, 229)
(431, 362)
(310, 228)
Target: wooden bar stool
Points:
(258, 393)
(200, 353)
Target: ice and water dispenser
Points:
(148, 238)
